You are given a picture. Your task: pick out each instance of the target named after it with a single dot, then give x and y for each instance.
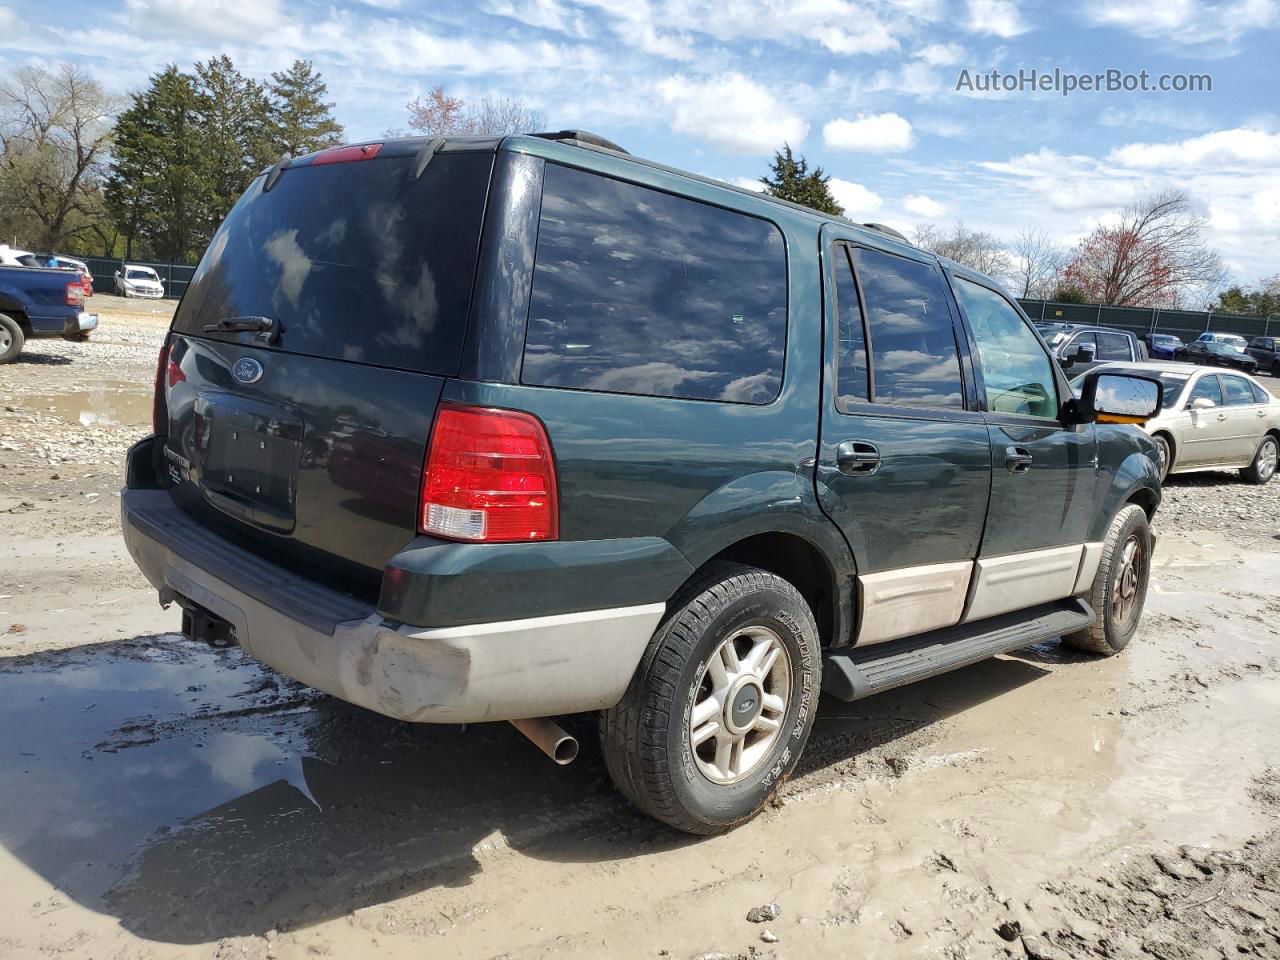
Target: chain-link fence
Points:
(1184, 324)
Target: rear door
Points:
(1044, 472)
(1246, 419)
(904, 463)
(306, 438)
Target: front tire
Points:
(1263, 466)
(1164, 451)
(721, 704)
(12, 339)
(1119, 587)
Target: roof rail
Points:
(583, 137)
(881, 228)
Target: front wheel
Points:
(721, 705)
(1120, 586)
(1164, 455)
(1263, 466)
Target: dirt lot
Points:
(161, 800)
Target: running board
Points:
(857, 672)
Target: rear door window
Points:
(639, 291)
(914, 358)
(1237, 391)
(1114, 346)
(356, 261)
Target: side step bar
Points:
(857, 672)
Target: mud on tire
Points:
(1119, 588)
(647, 738)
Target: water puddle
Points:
(106, 403)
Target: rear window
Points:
(638, 291)
(356, 261)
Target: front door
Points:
(904, 466)
(1043, 472)
(1206, 441)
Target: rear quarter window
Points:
(642, 292)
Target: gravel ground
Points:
(159, 800)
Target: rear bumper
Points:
(504, 670)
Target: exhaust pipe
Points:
(549, 737)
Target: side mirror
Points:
(1119, 398)
(1202, 403)
(1083, 353)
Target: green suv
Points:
(473, 429)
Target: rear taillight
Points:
(75, 293)
(168, 373)
(489, 476)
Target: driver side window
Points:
(1017, 373)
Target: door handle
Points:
(857, 458)
(1222, 416)
(1017, 459)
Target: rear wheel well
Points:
(16, 314)
(1173, 445)
(798, 562)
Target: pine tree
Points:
(233, 116)
(158, 190)
(793, 181)
(301, 120)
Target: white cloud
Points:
(941, 54)
(217, 19)
(544, 14)
(870, 35)
(747, 183)
(869, 133)
(1001, 18)
(1212, 150)
(923, 206)
(857, 200)
(1187, 22)
(732, 112)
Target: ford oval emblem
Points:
(247, 370)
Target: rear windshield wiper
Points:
(258, 325)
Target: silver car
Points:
(1211, 420)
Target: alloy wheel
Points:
(1265, 462)
(740, 705)
(1131, 573)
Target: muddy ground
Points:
(163, 800)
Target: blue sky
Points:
(866, 90)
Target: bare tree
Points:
(1156, 256)
(973, 248)
(440, 115)
(55, 128)
(1037, 262)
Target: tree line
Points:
(148, 176)
(1155, 254)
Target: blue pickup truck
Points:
(35, 302)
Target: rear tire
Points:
(12, 339)
(1119, 588)
(1263, 466)
(721, 704)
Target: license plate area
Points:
(248, 459)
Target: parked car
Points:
(1211, 420)
(1266, 354)
(13, 257)
(136, 281)
(1080, 348)
(600, 457)
(81, 268)
(1217, 353)
(1231, 339)
(1161, 346)
(38, 302)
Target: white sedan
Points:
(1211, 419)
(136, 281)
